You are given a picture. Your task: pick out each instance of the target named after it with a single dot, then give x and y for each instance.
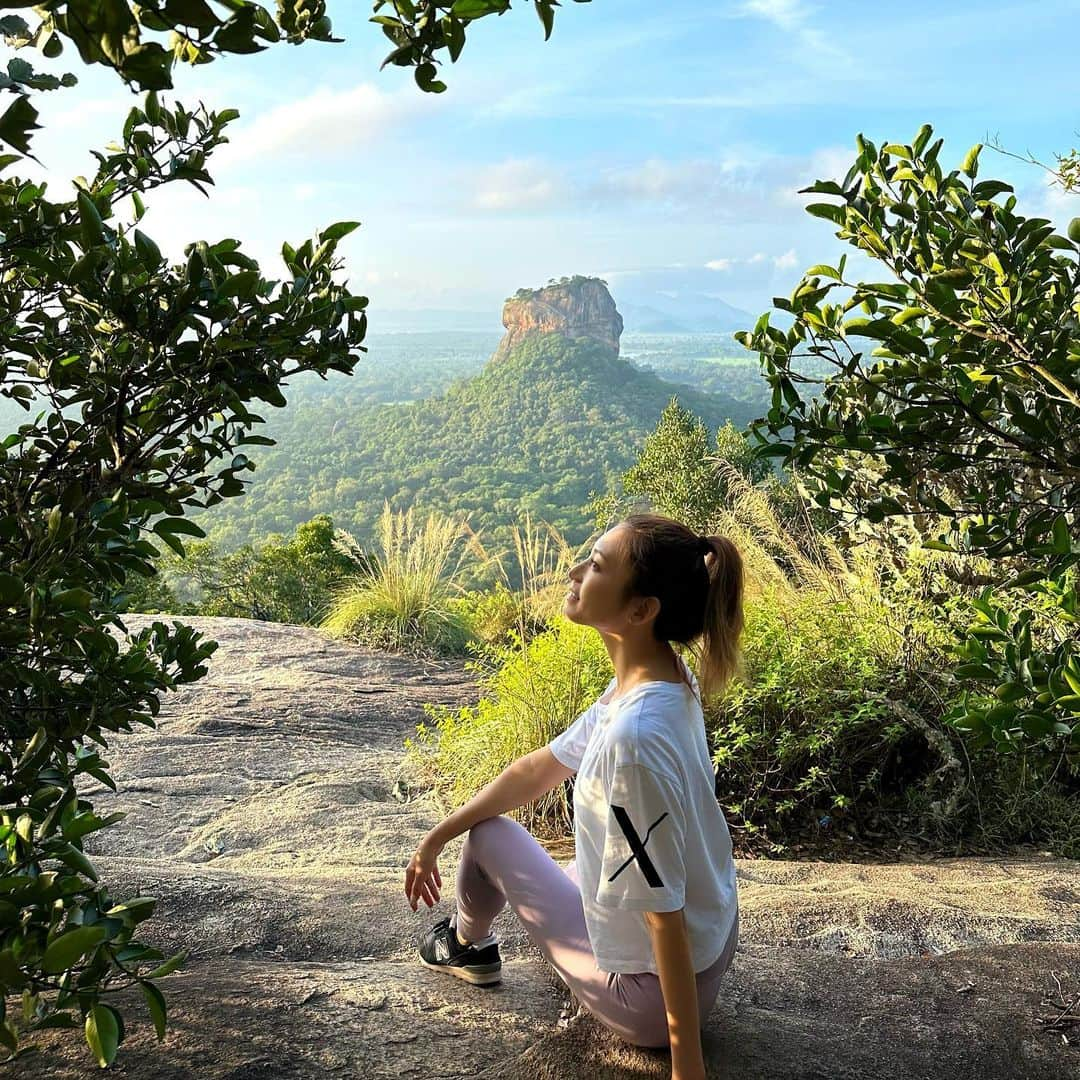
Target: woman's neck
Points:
(637, 662)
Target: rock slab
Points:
(271, 816)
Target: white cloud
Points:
(787, 261)
(719, 264)
(787, 14)
(326, 121)
(757, 257)
(793, 17)
(518, 184)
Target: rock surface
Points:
(271, 817)
(582, 307)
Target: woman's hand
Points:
(422, 878)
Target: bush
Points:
(282, 579)
(809, 731)
(490, 615)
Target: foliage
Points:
(140, 378)
(967, 409)
(839, 722)
(420, 29)
(282, 580)
(676, 474)
(544, 558)
(570, 282)
(491, 613)
(125, 36)
(401, 599)
(530, 691)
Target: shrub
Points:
(282, 579)
(491, 614)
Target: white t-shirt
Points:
(649, 833)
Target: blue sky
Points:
(644, 136)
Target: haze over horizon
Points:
(616, 149)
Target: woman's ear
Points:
(646, 608)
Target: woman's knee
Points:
(649, 1033)
(491, 834)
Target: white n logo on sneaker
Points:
(442, 949)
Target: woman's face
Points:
(597, 593)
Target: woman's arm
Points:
(671, 947)
(522, 781)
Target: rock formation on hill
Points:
(269, 814)
(574, 307)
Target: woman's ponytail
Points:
(720, 655)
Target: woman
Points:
(644, 923)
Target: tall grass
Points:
(541, 686)
(401, 598)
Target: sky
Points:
(644, 137)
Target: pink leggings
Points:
(502, 863)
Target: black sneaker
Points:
(477, 963)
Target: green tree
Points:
(676, 472)
(964, 405)
(145, 375)
(290, 580)
(140, 379)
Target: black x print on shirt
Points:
(637, 846)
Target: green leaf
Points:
(1060, 533)
(102, 1034)
(70, 947)
(976, 671)
(12, 590)
(17, 123)
(139, 907)
(149, 252)
(828, 211)
(177, 525)
(193, 13)
(970, 164)
(92, 231)
(77, 860)
(823, 270)
(73, 599)
(338, 231)
(546, 13)
(37, 750)
(241, 284)
(1036, 724)
(169, 966)
(11, 975)
(989, 188)
(477, 9)
(155, 1002)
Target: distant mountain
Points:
(555, 416)
(676, 300)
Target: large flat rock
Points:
(271, 816)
